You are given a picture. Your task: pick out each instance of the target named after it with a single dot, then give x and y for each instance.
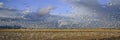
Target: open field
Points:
(59, 34)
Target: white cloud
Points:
(26, 11)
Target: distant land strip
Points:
(60, 30)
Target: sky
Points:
(34, 5)
(86, 12)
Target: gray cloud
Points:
(89, 5)
(9, 13)
(113, 5)
(91, 13)
(1, 4)
(45, 11)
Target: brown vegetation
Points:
(59, 34)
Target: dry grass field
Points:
(59, 34)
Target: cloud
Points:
(113, 5)
(45, 11)
(83, 8)
(88, 7)
(1, 4)
(26, 12)
(91, 13)
(9, 13)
